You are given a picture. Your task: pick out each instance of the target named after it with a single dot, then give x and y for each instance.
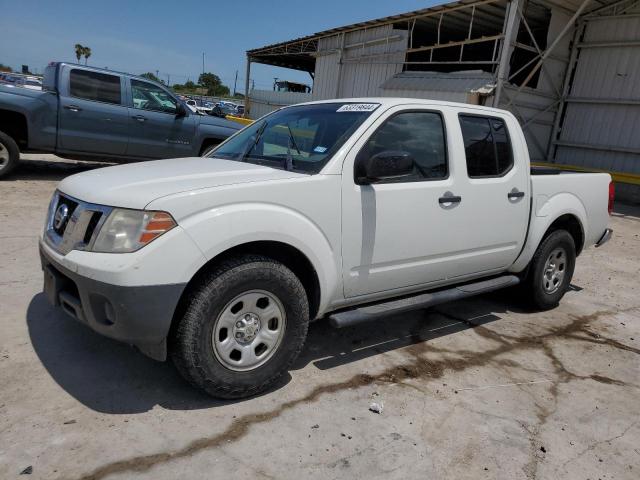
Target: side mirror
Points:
(181, 110)
(382, 166)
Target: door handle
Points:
(73, 108)
(140, 118)
(515, 194)
(449, 199)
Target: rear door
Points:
(494, 191)
(92, 117)
(156, 129)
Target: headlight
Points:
(129, 230)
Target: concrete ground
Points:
(477, 389)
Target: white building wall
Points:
(610, 76)
(356, 65)
(266, 101)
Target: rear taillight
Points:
(612, 195)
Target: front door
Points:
(395, 233)
(156, 130)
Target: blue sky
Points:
(170, 36)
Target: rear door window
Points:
(487, 146)
(95, 86)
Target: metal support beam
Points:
(566, 87)
(570, 24)
(247, 103)
(510, 33)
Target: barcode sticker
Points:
(358, 107)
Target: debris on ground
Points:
(376, 407)
(315, 426)
(27, 471)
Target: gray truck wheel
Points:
(9, 154)
(551, 270)
(244, 325)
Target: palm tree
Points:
(79, 51)
(87, 54)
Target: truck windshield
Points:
(301, 138)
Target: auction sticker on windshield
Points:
(358, 107)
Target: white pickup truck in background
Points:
(347, 209)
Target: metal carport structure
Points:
(569, 70)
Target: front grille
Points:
(70, 205)
(91, 226)
(73, 224)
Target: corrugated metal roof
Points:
(440, 82)
(441, 7)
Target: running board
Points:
(370, 313)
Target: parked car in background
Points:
(351, 209)
(8, 79)
(223, 108)
(32, 83)
(88, 113)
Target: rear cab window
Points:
(95, 86)
(487, 146)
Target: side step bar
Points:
(370, 313)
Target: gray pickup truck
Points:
(86, 113)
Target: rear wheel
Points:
(9, 154)
(244, 325)
(551, 270)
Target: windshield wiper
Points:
(291, 142)
(254, 143)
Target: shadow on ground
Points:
(110, 377)
(54, 169)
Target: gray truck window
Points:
(420, 134)
(95, 86)
(148, 96)
(487, 146)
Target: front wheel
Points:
(551, 270)
(9, 154)
(243, 327)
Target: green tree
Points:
(213, 84)
(82, 51)
(5, 68)
(151, 76)
(79, 51)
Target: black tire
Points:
(9, 154)
(208, 149)
(541, 292)
(191, 345)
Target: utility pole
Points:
(275, 81)
(158, 74)
(235, 83)
(168, 80)
(203, 63)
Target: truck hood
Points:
(136, 185)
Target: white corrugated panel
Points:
(602, 74)
(264, 101)
(369, 58)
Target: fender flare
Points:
(545, 211)
(233, 225)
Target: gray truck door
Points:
(156, 130)
(92, 116)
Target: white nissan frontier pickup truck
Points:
(350, 210)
